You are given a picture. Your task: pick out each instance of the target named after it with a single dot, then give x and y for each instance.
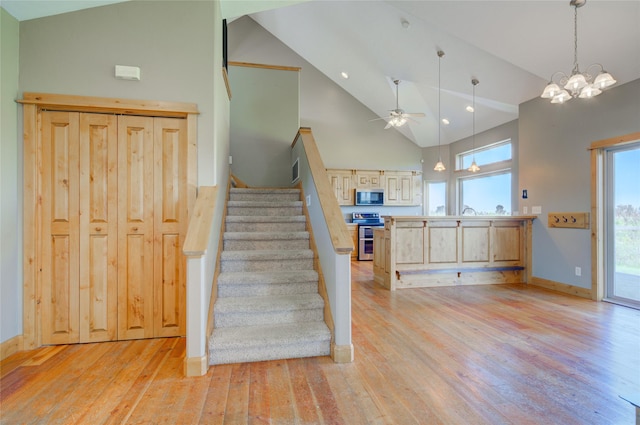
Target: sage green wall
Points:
(172, 42)
(556, 171)
(264, 122)
(10, 183)
(340, 123)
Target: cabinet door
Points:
(399, 189)
(369, 180)
(342, 185)
(98, 227)
(170, 216)
(135, 227)
(60, 230)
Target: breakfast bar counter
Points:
(425, 251)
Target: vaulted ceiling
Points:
(511, 47)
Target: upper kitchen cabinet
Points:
(402, 188)
(365, 179)
(342, 184)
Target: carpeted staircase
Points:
(268, 305)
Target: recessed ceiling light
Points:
(344, 75)
(405, 24)
(469, 108)
(445, 121)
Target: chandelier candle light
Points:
(439, 165)
(578, 84)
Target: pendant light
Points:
(578, 84)
(474, 167)
(439, 165)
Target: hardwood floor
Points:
(500, 354)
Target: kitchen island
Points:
(424, 251)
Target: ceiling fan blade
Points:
(389, 125)
(380, 118)
(414, 114)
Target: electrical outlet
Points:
(525, 210)
(308, 200)
(578, 271)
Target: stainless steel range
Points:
(367, 221)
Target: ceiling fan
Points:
(398, 117)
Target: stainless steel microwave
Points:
(369, 196)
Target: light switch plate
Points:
(536, 210)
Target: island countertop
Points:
(420, 251)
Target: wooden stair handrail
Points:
(338, 232)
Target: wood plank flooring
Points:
(497, 354)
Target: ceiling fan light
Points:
(561, 97)
(604, 80)
(439, 166)
(576, 82)
(474, 167)
(550, 91)
(589, 91)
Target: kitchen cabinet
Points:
(428, 251)
(353, 232)
(342, 183)
(399, 188)
(369, 179)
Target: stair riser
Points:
(265, 227)
(263, 266)
(266, 197)
(264, 211)
(261, 353)
(226, 320)
(284, 244)
(266, 289)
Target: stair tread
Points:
(264, 190)
(265, 204)
(265, 218)
(266, 235)
(266, 254)
(268, 303)
(273, 335)
(266, 277)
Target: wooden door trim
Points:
(33, 105)
(119, 106)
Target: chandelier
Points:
(578, 84)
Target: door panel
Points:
(60, 271)
(98, 227)
(135, 227)
(170, 226)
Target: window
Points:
(436, 196)
(485, 155)
(487, 194)
(489, 191)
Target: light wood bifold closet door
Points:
(114, 218)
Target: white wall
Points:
(10, 183)
(340, 123)
(555, 169)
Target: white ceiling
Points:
(511, 46)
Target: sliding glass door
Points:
(622, 224)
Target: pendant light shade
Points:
(439, 165)
(474, 167)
